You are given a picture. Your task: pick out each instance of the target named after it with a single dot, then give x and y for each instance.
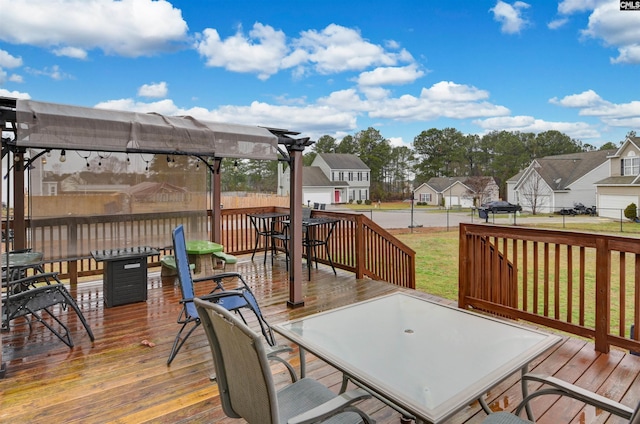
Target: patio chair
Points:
(555, 386)
(237, 300)
(30, 296)
(246, 384)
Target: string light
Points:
(63, 156)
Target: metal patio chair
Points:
(31, 296)
(239, 299)
(555, 386)
(246, 384)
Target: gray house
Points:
(554, 182)
(332, 178)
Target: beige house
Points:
(458, 192)
(622, 186)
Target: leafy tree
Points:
(347, 145)
(374, 150)
(325, 144)
(437, 151)
(551, 143)
(609, 145)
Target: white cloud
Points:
(73, 52)
(557, 23)
(16, 78)
(9, 61)
(576, 130)
(390, 76)
(15, 94)
(337, 49)
(591, 104)
(265, 51)
(261, 52)
(585, 99)
(125, 27)
(156, 90)
(54, 72)
(510, 16)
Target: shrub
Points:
(359, 201)
(631, 211)
(367, 202)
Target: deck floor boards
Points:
(119, 379)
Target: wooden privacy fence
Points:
(357, 244)
(583, 284)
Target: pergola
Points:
(30, 124)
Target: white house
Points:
(332, 178)
(621, 186)
(457, 191)
(554, 182)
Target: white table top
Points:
(429, 359)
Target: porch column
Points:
(295, 216)
(216, 218)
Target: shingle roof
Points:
(560, 171)
(439, 184)
(343, 161)
(312, 176)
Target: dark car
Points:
(500, 206)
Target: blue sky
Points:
(336, 67)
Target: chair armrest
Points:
(341, 403)
(33, 279)
(217, 277)
(563, 388)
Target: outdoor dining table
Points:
(424, 359)
(264, 226)
(201, 255)
(312, 239)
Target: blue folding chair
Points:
(236, 300)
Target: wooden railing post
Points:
(603, 295)
(463, 265)
(359, 245)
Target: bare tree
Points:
(480, 189)
(534, 193)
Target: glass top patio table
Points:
(428, 359)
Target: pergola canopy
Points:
(55, 126)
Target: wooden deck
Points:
(120, 379)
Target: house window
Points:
(350, 176)
(341, 176)
(425, 197)
(359, 176)
(333, 176)
(631, 166)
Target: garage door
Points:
(610, 206)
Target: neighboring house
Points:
(621, 186)
(457, 191)
(332, 178)
(554, 182)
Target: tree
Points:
(438, 152)
(609, 145)
(533, 192)
(374, 150)
(348, 145)
(325, 144)
(480, 188)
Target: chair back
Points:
(244, 377)
(635, 418)
(183, 270)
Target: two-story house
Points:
(332, 178)
(622, 185)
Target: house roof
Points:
(560, 171)
(617, 180)
(343, 161)
(149, 188)
(440, 184)
(312, 176)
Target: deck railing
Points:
(583, 284)
(357, 244)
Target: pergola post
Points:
(216, 218)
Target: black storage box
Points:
(125, 281)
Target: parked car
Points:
(500, 206)
(578, 209)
